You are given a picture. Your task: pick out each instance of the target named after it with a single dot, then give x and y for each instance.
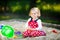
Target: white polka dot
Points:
(26, 32)
(30, 24)
(34, 24)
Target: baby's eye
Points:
(35, 14)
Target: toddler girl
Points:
(34, 24)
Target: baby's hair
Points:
(35, 8)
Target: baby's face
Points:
(34, 13)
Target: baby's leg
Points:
(34, 33)
(27, 33)
(42, 33)
(37, 33)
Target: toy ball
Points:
(54, 31)
(7, 31)
(1, 26)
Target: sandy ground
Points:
(19, 25)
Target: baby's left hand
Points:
(31, 28)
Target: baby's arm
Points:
(26, 25)
(39, 25)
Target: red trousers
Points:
(33, 33)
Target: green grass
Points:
(26, 18)
(50, 20)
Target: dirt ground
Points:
(19, 25)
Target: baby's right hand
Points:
(29, 28)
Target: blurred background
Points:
(19, 9)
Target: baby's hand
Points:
(31, 28)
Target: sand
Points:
(19, 25)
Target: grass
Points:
(26, 18)
(51, 21)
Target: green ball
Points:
(7, 31)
